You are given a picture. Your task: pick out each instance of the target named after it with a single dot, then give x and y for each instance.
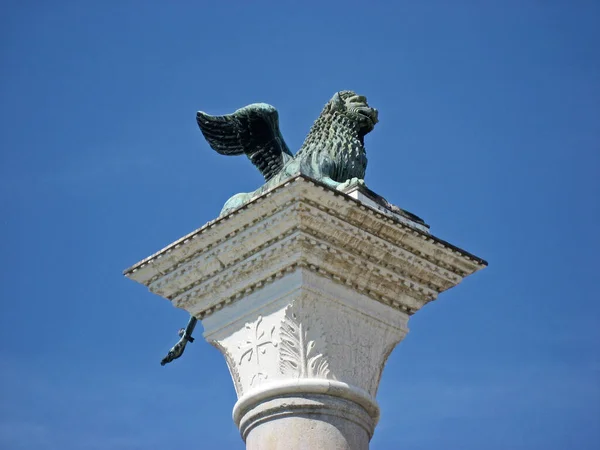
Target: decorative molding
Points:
(306, 226)
(187, 302)
(202, 257)
(220, 230)
(204, 230)
(246, 270)
(355, 225)
(396, 249)
(282, 388)
(379, 277)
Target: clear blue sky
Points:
(489, 130)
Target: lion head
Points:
(347, 114)
(339, 133)
(356, 108)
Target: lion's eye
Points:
(358, 99)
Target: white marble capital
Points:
(306, 337)
(306, 291)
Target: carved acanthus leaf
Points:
(298, 355)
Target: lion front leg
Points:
(321, 167)
(329, 182)
(352, 182)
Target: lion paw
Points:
(351, 183)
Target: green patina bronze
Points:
(333, 152)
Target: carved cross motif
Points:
(255, 344)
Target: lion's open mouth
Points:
(370, 114)
(370, 119)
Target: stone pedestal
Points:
(306, 291)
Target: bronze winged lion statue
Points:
(333, 152)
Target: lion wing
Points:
(253, 131)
